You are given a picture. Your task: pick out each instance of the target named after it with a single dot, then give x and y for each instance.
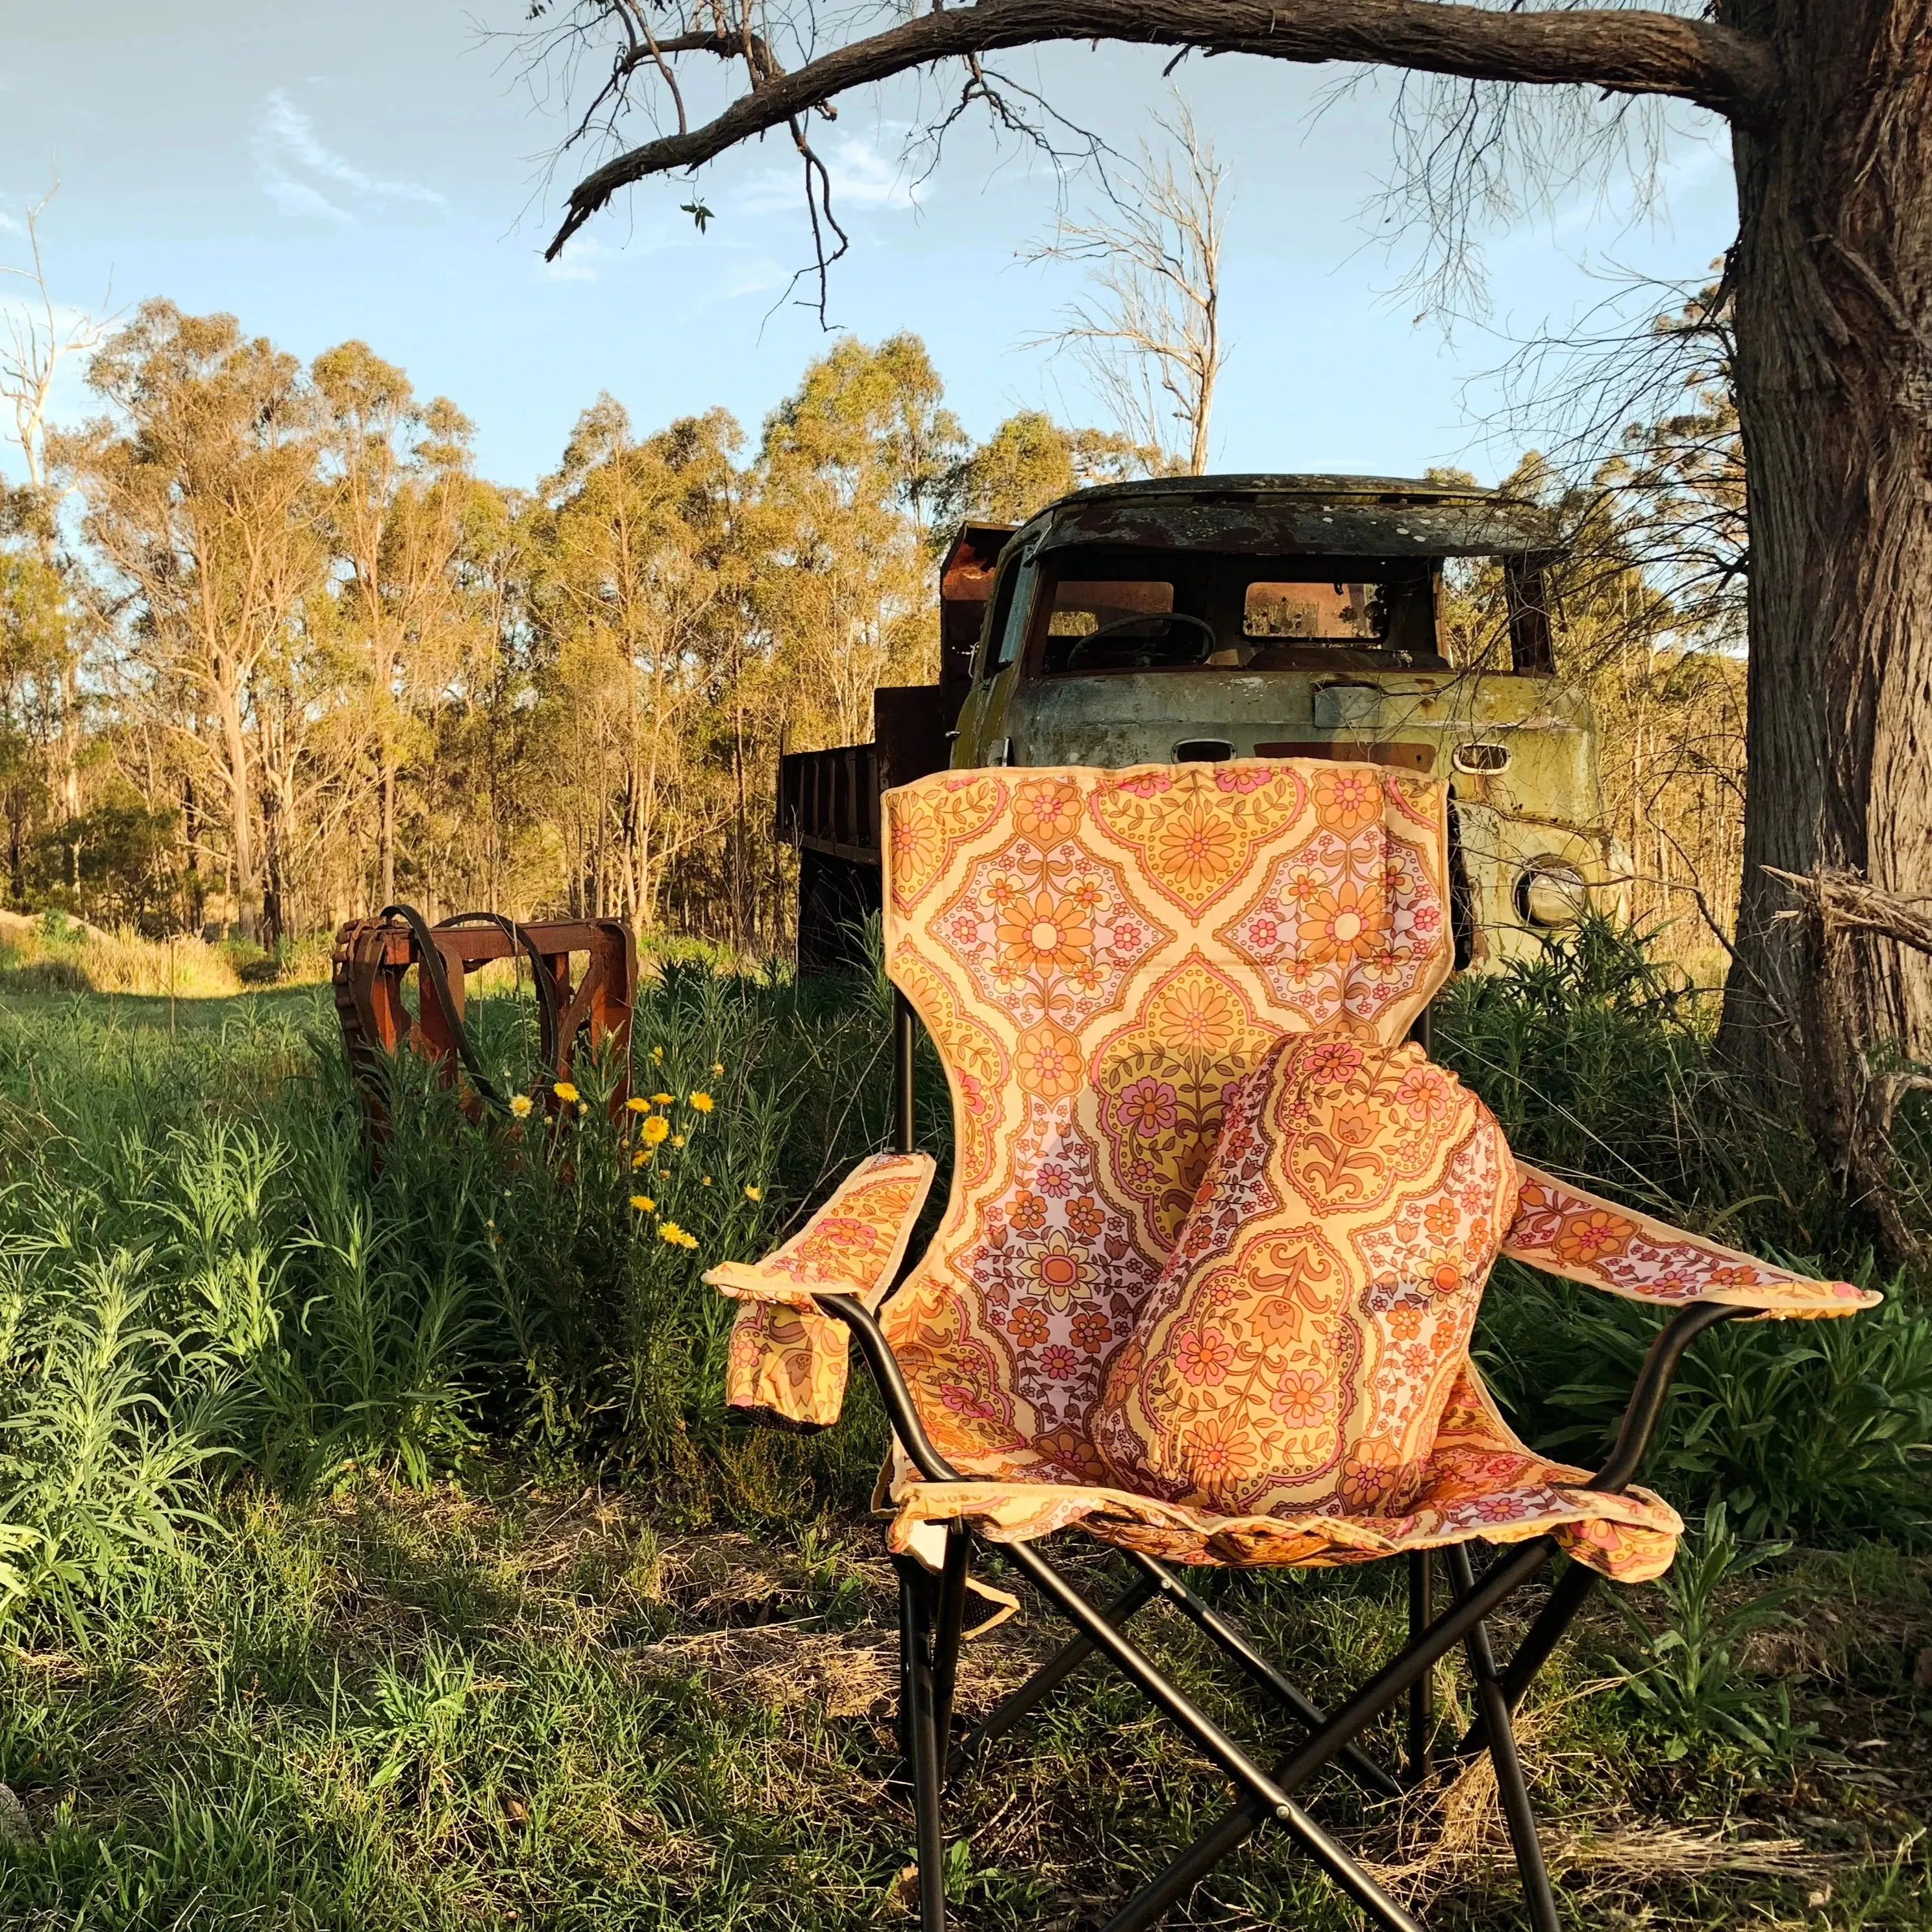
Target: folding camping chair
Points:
(1205, 1283)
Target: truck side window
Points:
(1009, 616)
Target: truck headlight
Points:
(1551, 893)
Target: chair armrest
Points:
(787, 1359)
(1564, 1232)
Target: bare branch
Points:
(36, 345)
(1845, 903)
(1635, 52)
(1152, 341)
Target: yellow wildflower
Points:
(654, 1129)
(677, 1140)
(584, 1106)
(754, 1194)
(706, 1181)
(564, 1090)
(717, 1066)
(637, 1106)
(675, 1235)
(642, 1203)
(642, 1158)
(657, 1053)
(664, 1099)
(519, 1105)
(702, 1102)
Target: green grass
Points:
(379, 1557)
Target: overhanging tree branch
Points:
(1634, 52)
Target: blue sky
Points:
(325, 169)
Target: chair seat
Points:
(1479, 1481)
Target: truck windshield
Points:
(1096, 610)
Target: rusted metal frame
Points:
(372, 958)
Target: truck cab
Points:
(1207, 618)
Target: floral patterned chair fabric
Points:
(1101, 959)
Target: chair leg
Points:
(1559, 1610)
(1511, 1786)
(948, 1620)
(920, 1734)
(1422, 1692)
(1386, 1688)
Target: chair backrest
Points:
(1098, 955)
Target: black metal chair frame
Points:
(931, 1616)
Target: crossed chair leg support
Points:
(931, 1616)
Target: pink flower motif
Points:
(1203, 1356)
(1148, 1107)
(1263, 934)
(1332, 1059)
(1059, 1364)
(1053, 1180)
(1300, 1399)
(1239, 778)
(1126, 936)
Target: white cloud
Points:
(861, 177)
(298, 198)
(287, 149)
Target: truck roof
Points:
(1314, 515)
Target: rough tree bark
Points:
(1832, 282)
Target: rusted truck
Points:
(1213, 617)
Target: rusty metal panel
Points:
(1311, 516)
(829, 802)
(909, 725)
(1405, 757)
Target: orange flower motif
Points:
(1368, 1481)
(1196, 847)
(1047, 1062)
(1218, 1450)
(1047, 810)
(1044, 934)
(1342, 924)
(1592, 1237)
(1344, 800)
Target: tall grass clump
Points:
(207, 1270)
(1598, 1062)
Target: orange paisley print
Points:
(1204, 1281)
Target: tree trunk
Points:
(1832, 278)
(386, 831)
(241, 829)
